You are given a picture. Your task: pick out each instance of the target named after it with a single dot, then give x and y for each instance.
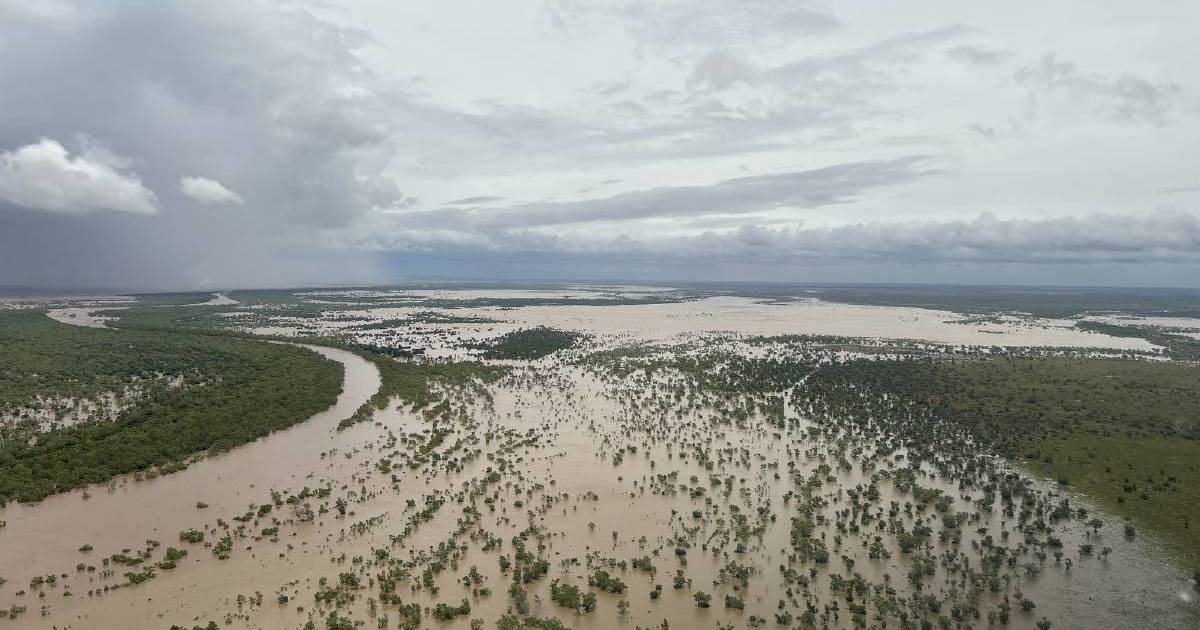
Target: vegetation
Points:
(224, 392)
(1037, 301)
(423, 317)
(1179, 348)
(1125, 432)
(415, 382)
(605, 582)
(815, 481)
(570, 596)
(530, 343)
(418, 382)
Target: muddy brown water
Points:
(44, 538)
(581, 424)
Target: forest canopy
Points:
(236, 391)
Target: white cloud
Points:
(43, 176)
(207, 190)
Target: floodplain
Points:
(620, 457)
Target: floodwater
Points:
(44, 538)
(601, 471)
(81, 316)
(218, 299)
(737, 316)
(811, 317)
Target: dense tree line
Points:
(530, 343)
(1125, 432)
(240, 390)
(1012, 403)
(1178, 347)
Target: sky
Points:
(157, 145)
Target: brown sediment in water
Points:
(607, 472)
(744, 316)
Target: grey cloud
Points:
(1180, 189)
(698, 24)
(861, 71)
(268, 100)
(801, 189)
(720, 70)
(723, 22)
(986, 132)
(277, 105)
(609, 89)
(814, 96)
(824, 94)
(1125, 97)
(474, 201)
(40, 10)
(383, 193)
(1158, 237)
(978, 56)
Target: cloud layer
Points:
(798, 190)
(173, 144)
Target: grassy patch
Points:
(1153, 481)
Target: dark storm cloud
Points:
(204, 99)
(259, 99)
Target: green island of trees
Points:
(530, 343)
(218, 392)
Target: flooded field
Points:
(813, 317)
(608, 486)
